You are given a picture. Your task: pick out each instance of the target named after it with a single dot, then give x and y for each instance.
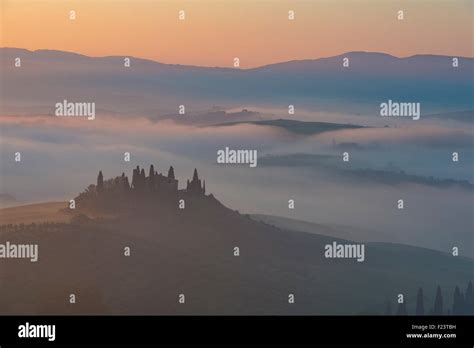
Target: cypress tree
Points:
(420, 308)
(135, 179)
(469, 300)
(171, 173)
(151, 178)
(100, 182)
(438, 305)
(458, 302)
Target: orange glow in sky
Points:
(257, 32)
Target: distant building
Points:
(154, 184)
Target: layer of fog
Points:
(61, 156)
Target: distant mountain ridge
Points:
(383, 57)
(149, 85)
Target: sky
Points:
(257, 32)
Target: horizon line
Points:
(233, 68)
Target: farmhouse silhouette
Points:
(144, 192)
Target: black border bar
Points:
(291, 330)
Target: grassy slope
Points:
(191, 252)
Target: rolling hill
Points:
(148, 87)
(191, 252)
(297, 127)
